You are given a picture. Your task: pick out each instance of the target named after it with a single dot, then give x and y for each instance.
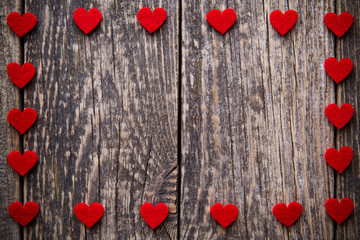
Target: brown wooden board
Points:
(347, 184)
(10, 181)
(253, 125)
(250, 106)
(107, 126)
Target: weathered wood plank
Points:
(253, 124)
(107, 127)
(146, 69)
(347, 184)
(10, 186)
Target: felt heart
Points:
(87, 21)
(21, 75)
(22, 121)
(339, 117)
(338, 70)
(89, 215)
(339, 211)
(151, 21)
(224, 215)
(21, 24)
(221, 21)
(339, 24)
(154, 216)
(283, 22)
(339, 160)
(287, 215)
(23, 214)
(22, 163)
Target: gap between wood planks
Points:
(179, 115)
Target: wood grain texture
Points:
(10, 187)
(253, 125)
(253, 129)
(107, 126)
(347, 184)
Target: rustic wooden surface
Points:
(249, 104)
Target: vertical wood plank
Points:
(144, 119)
(347, 184)
(253, 125)
(107, 126)
(10, 51)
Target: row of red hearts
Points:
(151, 21)
(339, 118)
(154, 216)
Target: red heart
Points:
(22, 121)
(339, 24)
(287, 215)
(339, 117)
(221, 21)
(22, 163)
(23, 214)
(154, 216)
(21, 75)
(283, 22)
(339, 160)
(224, 215)
(89, 215)
(21, 24)
(151, 21)
(339, 211)
(87, 21)
(338, 70)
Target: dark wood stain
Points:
(252, 126)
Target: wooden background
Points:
(185, 116)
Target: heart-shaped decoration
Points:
(22, 163)
(287, 215)
(339, 24)
(87, 21)
(339, 211)
(22, 121)
(89, 215)
(151, 21)
(21, 24)
(339, 160)
(23, 214)
(338, 70)
(283, 22)
(21, 75)
(339, 117)
(224, 215)
(221, 21)
(154, 216)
